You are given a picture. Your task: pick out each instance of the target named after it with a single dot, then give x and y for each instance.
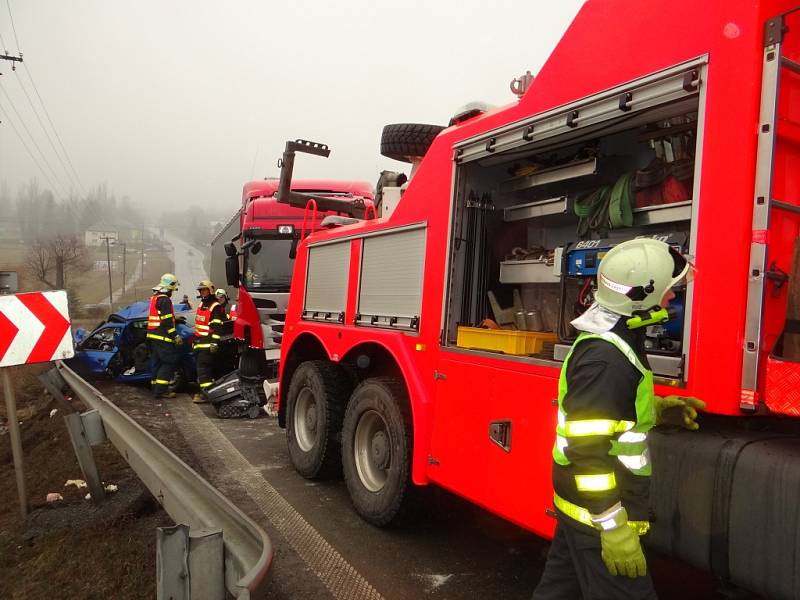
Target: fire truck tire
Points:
(314, 411)
(376, 450)
(407, 141)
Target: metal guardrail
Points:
(185, 496)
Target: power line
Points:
(14, 29)
(33, 139)
(3, 43)
(25, 145)
(55, 131)
(47, 135)
(73, 176)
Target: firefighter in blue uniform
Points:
(162, 337)
(606, 406)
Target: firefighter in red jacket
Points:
(606, 406)
(162, 336)
(207, 327)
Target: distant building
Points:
(96, 234)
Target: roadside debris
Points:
(78, 483)
(111, 488)
(53, 412)
(54, 497)
(271, 407)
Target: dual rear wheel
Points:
(370, 441)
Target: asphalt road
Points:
(446, 548)
(188, 266)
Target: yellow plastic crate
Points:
(508, 341)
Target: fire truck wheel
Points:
(407, 141)
(315, 405)
(376, 450)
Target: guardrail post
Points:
(172, 567)
(81, 442)
(16, 440)
(206, 565)
(190, 565)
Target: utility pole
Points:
(124, 270)
(13, 59)
(108, 238)
(141, 275)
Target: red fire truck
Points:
(261, 266)
(675, 119)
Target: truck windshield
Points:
(271, 269)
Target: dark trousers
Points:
(163, 364)
(206, 364)
(575, 570)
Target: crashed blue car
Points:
(117, 348)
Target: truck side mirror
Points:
(230, 249)
(232, 271)
(256, 248)
(293, 249)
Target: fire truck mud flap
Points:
(725, 500)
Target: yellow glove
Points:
(213, 348)
(178, 340)
(621, 550)
(678, 410)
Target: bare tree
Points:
(57, 256)
(69, 254)
(40, 261)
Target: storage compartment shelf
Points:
(527, 271)
(541, 208)
(583, 174)
(560, 208)
(662, 213)
(582, 168)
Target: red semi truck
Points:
(671, 119)
(261, 267)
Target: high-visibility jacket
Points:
(160, 318)
(626, 480)
(209, 319)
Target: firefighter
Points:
(210, 317)
(226, 359)
(222, 297)
(606, 406)
(162, 336)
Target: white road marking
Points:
(338, 575)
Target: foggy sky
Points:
(179, 103)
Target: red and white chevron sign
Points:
(34, 328)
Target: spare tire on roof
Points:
(407, 141)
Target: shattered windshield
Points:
(271, 269)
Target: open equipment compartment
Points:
(538, 204)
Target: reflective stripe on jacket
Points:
(160, 318)
(207, 323)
